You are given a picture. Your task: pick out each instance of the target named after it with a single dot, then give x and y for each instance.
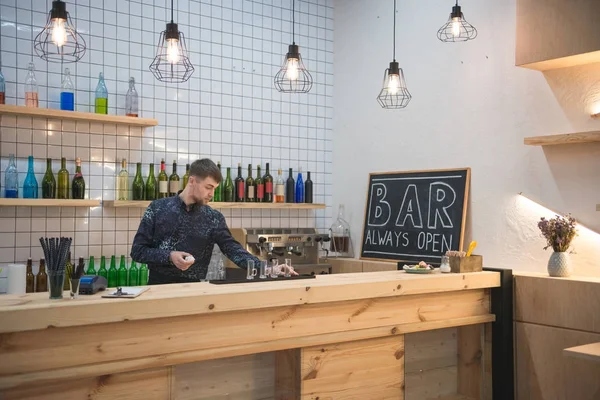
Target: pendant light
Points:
(457, 29)
(172, 63)
(293, 76)
(394, 93)
(59, 40)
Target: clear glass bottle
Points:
(11, 179)
(341, 243)
(279, 188)
(67, 92)
(31, 88)
(131, 100)
(2, 89)
(123, 182)
(30, 187)
(101, 104)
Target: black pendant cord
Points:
(395, 30)
(294, 21)
(172, 11)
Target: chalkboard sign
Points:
(415, 215)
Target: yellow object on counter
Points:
(472, 246)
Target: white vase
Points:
(559, 264)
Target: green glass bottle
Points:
(143, 275)
(102, 271)
(63, 180)
(228, 188)
(78, 184)
(219, 189)
(112, 273)
(186, 177)
(250, 187)
(163, 181)
(134, 274)
(138, 184)
(91, 268)
(68, 271)
(150, 189)
(268, 182)
(122, 273)
(260, 186)
(174, 181)
(240, 191)
(49, 183)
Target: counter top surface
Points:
(572, 278)
(35, 311)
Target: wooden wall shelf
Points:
(568, 138)
(48, 203)
(6, 109)
(279, 206)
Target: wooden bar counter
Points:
(335, 336)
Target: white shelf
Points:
(48, 203)
(219, 205)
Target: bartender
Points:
(177, 234)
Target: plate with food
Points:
(420, 268)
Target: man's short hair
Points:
(204, 168)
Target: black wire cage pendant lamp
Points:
(172, 63)
(293, 77)
(457, 29)
(59, 41)
(394, 93)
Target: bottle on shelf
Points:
(163, 181)
(250, 187)
(174, 181)
(290, 193)
(239, 185)
(228, 187)
(31, 88)
(308, 189)
(63, 180)
(151, 189)
(78, 184)
(260, 186)
(134, 275)
(143, 275)
(2, 89)
(122, 273)
(186, 176)
(123, 182)
(299, 187)
(101, 103)
(67, 92)
(102, 271)
(29, 278)
(68, 270)
(41, 279)
(48, 182)
(112, 273)
(131, 100)
(11, 179)
(137, 192)
(279, 188)
(91, 270)
(30, 186)
(217, 197)
(268, 182)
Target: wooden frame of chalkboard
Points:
(414, 216)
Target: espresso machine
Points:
(305, 247)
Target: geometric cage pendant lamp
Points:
(172, 63)
(293, 77)
(457, 29)
(394, 93)
(59, 41)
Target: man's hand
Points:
(177, 258)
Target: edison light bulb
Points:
(455, 27)
(292, 69)
(59, 34)
(173, 51)
(393, 84)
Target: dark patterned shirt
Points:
(168, 226)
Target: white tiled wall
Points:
(229, 110)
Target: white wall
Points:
(471, 107)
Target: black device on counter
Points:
(91, 284)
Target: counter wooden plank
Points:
(35, 311)
(587, 351)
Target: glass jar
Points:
(341, 243)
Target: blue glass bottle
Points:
(67, 92)
(30, 187)
(299, 187)
(11, 180)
